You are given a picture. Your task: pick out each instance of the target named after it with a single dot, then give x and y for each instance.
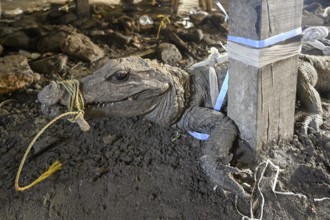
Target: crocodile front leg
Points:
(308, 96)
(216, 150)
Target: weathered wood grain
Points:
(262, 57)
(261, 101)
(261, 19)
(261, 96)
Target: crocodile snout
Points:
(51, 94)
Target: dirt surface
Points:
(129, 168)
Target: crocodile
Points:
(163, 94)
(170, 96)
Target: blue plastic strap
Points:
(217, 107)
(222, 94)
(267, 42)
(199, 136)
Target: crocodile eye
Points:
(119, 76)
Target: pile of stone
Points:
(28, 49)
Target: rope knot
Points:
(76, 110)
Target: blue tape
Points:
(217, 107)
(267, 42)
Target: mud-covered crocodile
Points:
(170, 96)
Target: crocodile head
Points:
(127, 87)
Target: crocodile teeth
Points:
(130, 98)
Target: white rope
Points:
(277, 168)
(313, 35)
(264, 56)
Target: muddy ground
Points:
(129, 168)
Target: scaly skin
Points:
(171, 97)
(165, 95)
(313, 79)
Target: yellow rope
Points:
(75, 101)
(162, 23)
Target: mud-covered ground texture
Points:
(129, 168)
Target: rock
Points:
(67, 39)
(1, 49)
(195, 35)
(7, 30)
(67, 18)
(12, 13)
(315, 7)
(29, 55)
(111, 37)
(52, 41)
(17, 40)
(197, 17)
(50, 65)
(218, 21)
(15, 73)
(311, 20)
(81, 47)
(109, 139)
(61, 17)
(119, 39)
(25, 22)
(168, 53)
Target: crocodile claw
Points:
(313, 121)
(221, 175)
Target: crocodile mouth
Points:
(143, 96)
(137, 104)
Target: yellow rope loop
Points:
(76, 101)
(162, 23)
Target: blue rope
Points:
(217, 107)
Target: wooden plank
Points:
(262, 90)
(82, 8)
(261, 101)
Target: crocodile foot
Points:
(312, 121)
(326, 108)
(221, 175)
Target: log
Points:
(261, 96)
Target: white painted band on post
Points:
(264, 56)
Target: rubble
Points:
(168, 53)
(50, 65)
(81, 47)
(15, 73)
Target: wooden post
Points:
(261, 96)
(82, 8)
